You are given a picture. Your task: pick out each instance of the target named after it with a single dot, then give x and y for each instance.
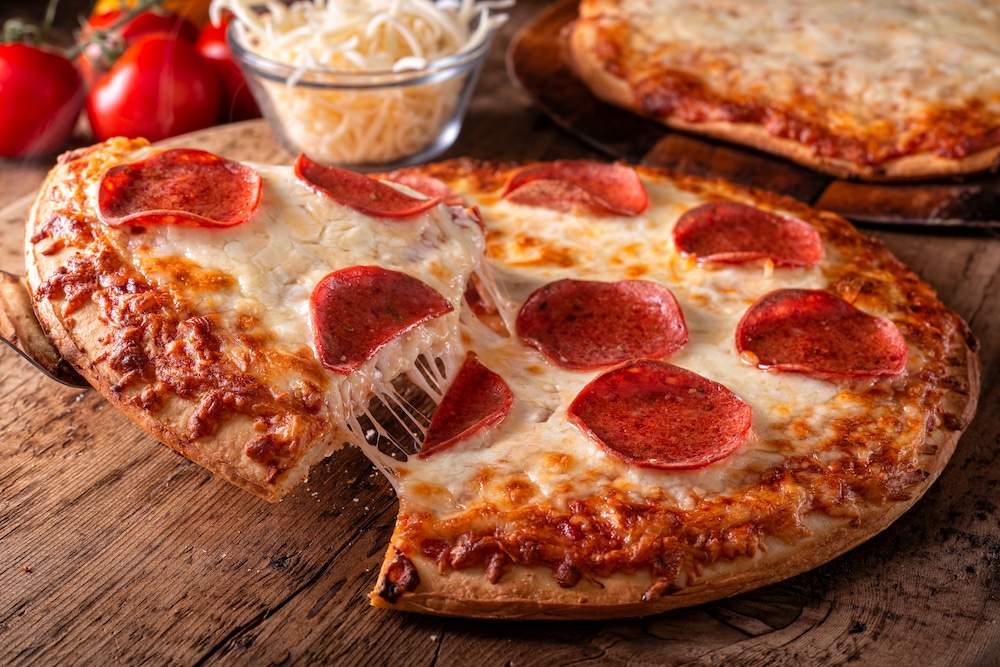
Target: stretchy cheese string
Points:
(391, 427)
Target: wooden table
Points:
(115, 550)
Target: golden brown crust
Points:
(916, 166)
(132, 339)
(594, 52)
(533, 593)
(519, 563)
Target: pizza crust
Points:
(533, 593)
(587, 58)
(184, 345)
(911, 167)
(82, 336)
(73, 266)
(522, 592)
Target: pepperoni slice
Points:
(656, 415)
(356, 311)
(427, 185)
(477, 399)
(582, 324)
(593, 187)
(733, 233)
(817, 332)
(362, 193)
(181, 186)
(436, 188)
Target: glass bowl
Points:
(364, 121)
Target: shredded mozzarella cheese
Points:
(326, 105)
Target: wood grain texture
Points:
(115, 550)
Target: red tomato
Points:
(99, 52)
(237, 100)
(159, 88)
(40, 98)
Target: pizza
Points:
(879, 91)
(597, 390)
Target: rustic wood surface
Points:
(115, 550)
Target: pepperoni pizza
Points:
(877, 90)
(597, 390)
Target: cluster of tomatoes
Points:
(146, 73)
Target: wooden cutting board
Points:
(535, 63)
(115, 550)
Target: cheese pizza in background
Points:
(879, 91)
(596, 390)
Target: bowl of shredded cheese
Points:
(362, 84)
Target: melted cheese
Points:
(858, 65)
(550, 460)
(258, 277)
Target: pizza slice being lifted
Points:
(612, 390)
(244, 314)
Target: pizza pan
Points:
(20, 329)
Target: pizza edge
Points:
(581, 53)
(533, 593)
(88, 343)
(447, 597)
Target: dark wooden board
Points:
(534, 61)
